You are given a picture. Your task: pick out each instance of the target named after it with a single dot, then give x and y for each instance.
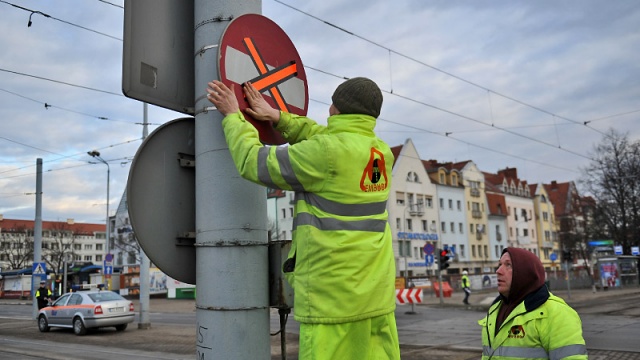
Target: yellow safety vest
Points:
(535, 329)
(342, 245)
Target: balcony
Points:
(478, 235)
(474, 192)
(547, 245)
(476, 214)
(416, 209)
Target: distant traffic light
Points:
(444, 260)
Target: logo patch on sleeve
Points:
(374, 176)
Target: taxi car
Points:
(85, 310)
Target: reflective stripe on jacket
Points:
(341, 173)
(543, 326)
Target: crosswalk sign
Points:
(39, 268)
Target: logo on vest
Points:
(516, 332)
(374, 176)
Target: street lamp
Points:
(96, 154)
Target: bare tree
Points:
(16, 247)
(613, 179)
(59, 247)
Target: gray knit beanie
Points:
(358, 96)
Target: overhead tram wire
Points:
(47, 105)
(55, 18)
(438, 69)
(73, 155)
(60, 82)
(395, 93)
(448, 136)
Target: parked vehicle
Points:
(84, 310)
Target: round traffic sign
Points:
(254, 48)
(553, 257)
(161, 198)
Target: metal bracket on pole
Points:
(187, 160)
(186, 238)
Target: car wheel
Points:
(121, 327)
(43, 324)
(78, 326)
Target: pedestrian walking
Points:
(526, 321)
(466, 286)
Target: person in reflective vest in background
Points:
(466, 286)
(341, 264)
(526, 321)
(43, 295)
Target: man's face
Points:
(505, 274)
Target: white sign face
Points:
(617, 249)
(635, 250)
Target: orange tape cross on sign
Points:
(269, 80)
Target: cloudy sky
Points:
(502, 83)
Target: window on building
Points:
(409, 225)
(461, 228)
(75, 246)
(462, 251)
(497, 251)
(424, 225)
(88, 258)
(88, 246)
(450, 204)
(400, 198)
(471, 228)
(473, 251)
(545, 216)
(398, 223)
(452, 226)
(290, 212)
(98, 247)
(443, 227)
(525, 232)
(459, 204)
(98, 257)
(429, 202)
(547, 235)
(442, 179)
(454, 180)
(441, 203)
(284, 213)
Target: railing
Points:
(416, 209)
(476, 214)
(474, 192)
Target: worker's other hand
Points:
(223, 97)
(258, 108)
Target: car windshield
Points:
(105, 296)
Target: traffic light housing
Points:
(444, 259)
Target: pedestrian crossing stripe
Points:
(38, 269)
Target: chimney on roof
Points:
(554, 185)
(1, 218)
(509, 172)
(70, 221)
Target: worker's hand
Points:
(258, 108)
(222, 97)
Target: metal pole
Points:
(144, 322)
(440, 278)
(96, 154)
(37, 235)
(232, 272)
(568, 278)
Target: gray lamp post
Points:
(96, 154)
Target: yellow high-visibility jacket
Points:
(341, 174)
(543, 326)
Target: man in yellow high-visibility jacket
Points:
(341, 265)
(526, 321)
